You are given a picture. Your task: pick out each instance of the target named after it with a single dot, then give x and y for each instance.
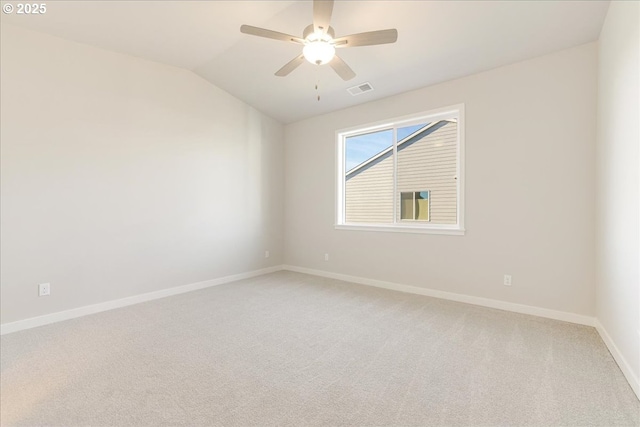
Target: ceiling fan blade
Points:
(367, 39)
(341, 67)
(290, 66)
(262, 32)
(322, 15)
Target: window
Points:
(403, 175)
(414, 206)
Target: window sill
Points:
(454, 231)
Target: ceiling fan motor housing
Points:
(309, 30)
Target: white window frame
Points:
(453, 111)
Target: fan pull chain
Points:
(318, 89)
(317, 83)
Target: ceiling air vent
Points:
(361, 88)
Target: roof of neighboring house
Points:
(406, 142)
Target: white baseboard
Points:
(46, 319)
(619, 358)
(485, 302)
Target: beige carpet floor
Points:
(296, 350)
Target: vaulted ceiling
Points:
(437, 41)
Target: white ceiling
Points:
(437, 41)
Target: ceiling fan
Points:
(320, 43)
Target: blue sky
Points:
(363, 147)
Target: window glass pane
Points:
(404, 132)
(369, 177)
(427, 162)
(406, 205)
(422, 206)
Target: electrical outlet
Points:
(266, 254)
(507, 280)
(326, 257)
(44, 289)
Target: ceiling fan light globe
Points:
(319, 52)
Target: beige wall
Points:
(122, 176)
(618, 190)
(530, 167)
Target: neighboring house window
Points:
(403, 175)
(414, 206)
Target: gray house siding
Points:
(369, 195)
(425, 163)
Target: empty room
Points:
(320, 213)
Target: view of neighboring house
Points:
(427, 185)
